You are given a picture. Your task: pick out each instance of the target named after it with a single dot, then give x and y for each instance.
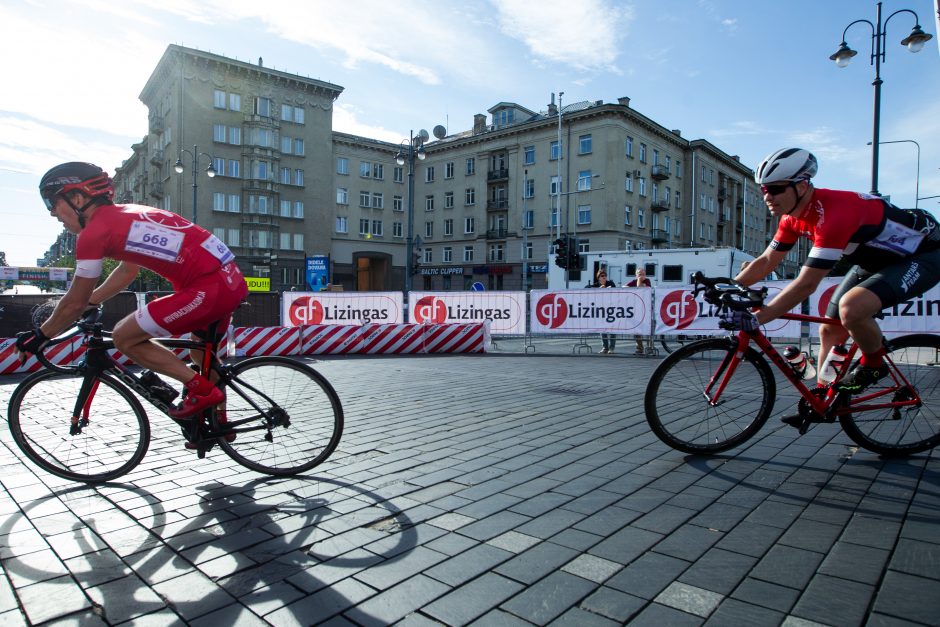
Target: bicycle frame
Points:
(822, 405)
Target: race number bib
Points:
(218, 249)
(153, 240)
(898, 239)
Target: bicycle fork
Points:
(719, 381)
(82, 411)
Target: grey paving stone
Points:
(830, 600)
(549, 598)
(322, 605)
(657, 615)
(469, 564)
(499, 618)
(535, 563)
(126, 598)
(721, 516)
(613, 604)
(858, 563)
(811, 535)
(787, 566)
(576, 617)
(689, 599)
(718, 570)
(648, 575)
(766, 594)
(917, 558)
(750, 538)
(494, 525)
(395, 603)
(35, 599)
(608, 520)
(908, 597)
(626, 545)
(193, 595)
(733, 613)
(472, 599)
(688, 542)
(390, 572)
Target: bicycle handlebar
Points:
(726, 293)
(88, 324)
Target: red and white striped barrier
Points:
(252, 341)
(456, 338)
(328, 339)
(396, 339)
(65, 353)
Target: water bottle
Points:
(797, 360)
(833, 364)
(158, 387)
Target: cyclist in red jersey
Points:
(896, 253)
(208, 285)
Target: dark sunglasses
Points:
(776, 189)
(50, 203)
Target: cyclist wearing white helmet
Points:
(896, 254)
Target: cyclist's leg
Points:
(830, 334)
(134, 341)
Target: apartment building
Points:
(488, 201)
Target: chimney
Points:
(552, 108)
(736, 158)
(260, 62)
(623, 100)
(479, 124)
(677, 132)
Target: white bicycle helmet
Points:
(786, 165)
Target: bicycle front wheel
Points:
(300, 421)
(112, 441)
(678, 401)
(897, 432)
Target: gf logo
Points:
(305, 310)
(824, 299)
(430, 309)
(551, 311)
(678, 309)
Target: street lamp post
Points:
(408, 151)
(917, 180)
(194, 157)
(914, 42)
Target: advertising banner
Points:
(918, 315)
(504, 310)
(594, 310)
(330, 308)
(680, 312)
(318, 272)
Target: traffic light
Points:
(415, 260)
(561, 252)
(574, 257)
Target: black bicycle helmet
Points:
(75, 175)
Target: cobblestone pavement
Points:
(500, 489)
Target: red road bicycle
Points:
(715, 394)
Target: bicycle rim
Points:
(907, 430)
(110, 445)
(310, 427)
(679, 413)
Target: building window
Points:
(584, 145)
(263, 107)
(628, 183)
(428, 256)
(468, 253)
(449, 227)
(218, 99)
(429, 203)
(447, 255)
(365, 199)
(641, 184)
(628, 150)
(363, 226)
(678, 199)
(554, 186)
(553, 217)
(471, 166)
(584, 214)
(396, 229)
(378, 200)
(218, 201)
(219, 132)
(398, 203)
(259, 204)
(642, 153)
(584, 180)
(528, 155)
(528, 219)
(399, 174)
(429, 229)
(365, 169)
(641, 218)
(377, 228)
(342, 165)
(496, 252)
(342, 196)
(234, 203)
(234, 237)
(627, 215)
(529, 250)
(285, 209)
(429, 174)
(299, 177)
(286, 145)
(234, 102)
(378, 171)
(448, 200)
(554, 151)
(285, 176)
(468, 226)
(655, 156)
(449, 170)
(470, 196)
(528, 188)
(298, 209)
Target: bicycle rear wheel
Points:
(302, 419)
(112, 443)
(906, 430)
(677, 407)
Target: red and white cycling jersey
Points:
(159, 240)
(865, 229)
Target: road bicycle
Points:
(83, 421)
(715, 394)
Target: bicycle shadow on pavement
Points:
(238, 553)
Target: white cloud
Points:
(345, 120)
(584, 35)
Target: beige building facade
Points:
(488, 201)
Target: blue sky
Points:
(748, 75)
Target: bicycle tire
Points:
(672, 343)
(913, 430)
(109, 446)
(678, 412)
(313, 411)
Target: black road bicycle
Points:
(83, 422)
(715, 394)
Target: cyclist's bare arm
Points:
(121, 277)
(793, 294)
(763, 265)
(70, 307)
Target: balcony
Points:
(722, 193)
(497, 234)
(497, 205)
(659, 236)
(156, 189)
(265, 185)
(659, 172)
(254, 219)
(156, 157)
(497, 175)
(659, 205)
(157, 125)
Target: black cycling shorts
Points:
(907, 279)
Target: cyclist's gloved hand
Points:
(30, 342)
(735, 320)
